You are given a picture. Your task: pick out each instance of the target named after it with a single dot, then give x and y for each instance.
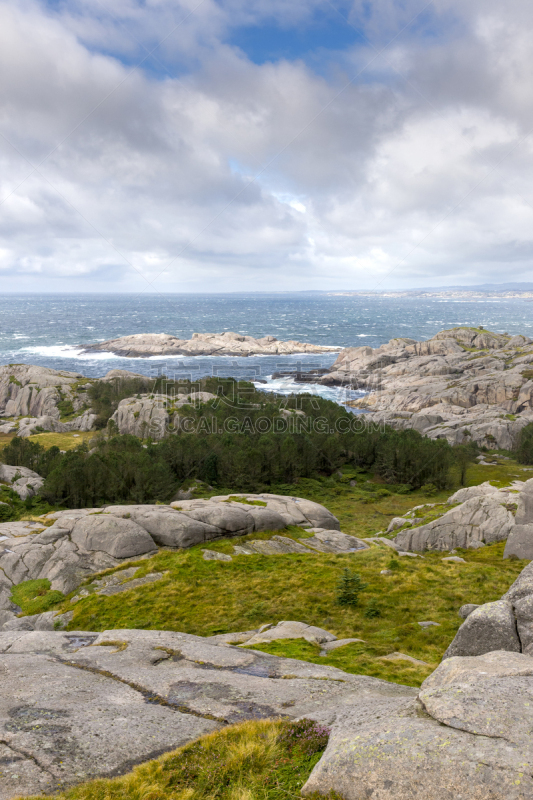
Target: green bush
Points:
(372, 610)
(349, 587)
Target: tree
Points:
(464, 454)
(524, 453)
(349, 587)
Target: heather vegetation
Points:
(259, 760)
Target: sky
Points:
(264, 145)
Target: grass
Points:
(210, 597)
(263, 760)
(65, 441)
(35, 597)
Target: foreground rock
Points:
(463, 384)
(68, 546)
(468, 736)
(144, 345)
(98, 703)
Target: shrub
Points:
(372, 610)
(349, 587)
(306, 736)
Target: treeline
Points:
(122, 469)
(104, 396)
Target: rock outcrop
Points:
(485, 515)
(322, 541)
(25, 482)
(68, 546)
(463, 384)
(506, 624)
(98, 703)
(30, 398)
(157, 416)
(144, 345)
(466, 735)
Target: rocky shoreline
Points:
(146, 345)
(464, 384)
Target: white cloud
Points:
(202, 170)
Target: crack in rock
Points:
(149, 697)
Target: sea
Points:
(48, 329)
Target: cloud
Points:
(130, 164)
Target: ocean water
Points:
(47, 329)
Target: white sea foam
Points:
(66, 351)
(287, 386)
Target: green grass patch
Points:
(210, 597)
(357, 658)
(35, 597)
(65, 441)
(234, 499)
(259, 760)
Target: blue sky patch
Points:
(270, 41)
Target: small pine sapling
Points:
(349, 587)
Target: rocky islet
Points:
(145, 345)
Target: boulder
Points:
(277, 545)
(488, 695)
(522, 587)
(212, 555)
(168, 526)
(467, 609)
(520, 542)
(524, 509)
(293, 510)
(25, 482)
(327, 541)
(144, 417)
(84, 541)
(461, 495)
(120, 538)
(467, 736)
(397, 522)
(491, 626)
(479, 520)
(292, 630)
